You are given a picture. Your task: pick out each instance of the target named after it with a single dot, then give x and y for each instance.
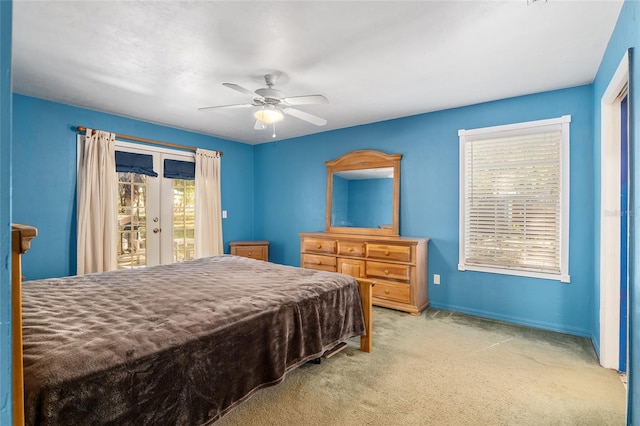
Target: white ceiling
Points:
(159, 61)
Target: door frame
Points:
(610, 216)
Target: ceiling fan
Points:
(273, 105)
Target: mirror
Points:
(362, 198)
(363, 190)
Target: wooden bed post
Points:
(21, 236)
(366, 294)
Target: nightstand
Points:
(254, 249)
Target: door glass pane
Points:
(184, 222)
(132, 220)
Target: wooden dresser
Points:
(397, 265)
(254, 249)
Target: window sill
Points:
(517, 272)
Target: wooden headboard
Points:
(21, 236)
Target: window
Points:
(132, 219)
(514, 199)
(184, 219)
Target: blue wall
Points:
(290, 179)
(44, 177)
(626, 35)
(5, 212)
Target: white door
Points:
(156, 215)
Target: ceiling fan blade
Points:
(259, 125)
(313, 119)
(227, 106)
(306, 100)
(239, 89)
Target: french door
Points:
(156, 214)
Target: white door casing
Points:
(610, 216)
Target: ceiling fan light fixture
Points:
(268, 116)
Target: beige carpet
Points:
(443, 368)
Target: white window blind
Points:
(514, 199)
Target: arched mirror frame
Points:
(360, 160)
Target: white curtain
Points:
(208, 238)
(97, 198)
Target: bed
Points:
(183, 343)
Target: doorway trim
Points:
(610, 216)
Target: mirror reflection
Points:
(363, 198)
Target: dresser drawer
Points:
(389, 252)
(392, 291)
(253, 249)
(312, 245)
(323, 263)
(252, 252)
(351, 248)
(388, 270)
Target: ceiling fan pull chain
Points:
(274, 130)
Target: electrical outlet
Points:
(436, 279)
(224, 214)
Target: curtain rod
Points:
(135, 138)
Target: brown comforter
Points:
(175, 344)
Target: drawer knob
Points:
(386, 291)
(350, 248)
(318, 245)
(386, 252)
(386, 272)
